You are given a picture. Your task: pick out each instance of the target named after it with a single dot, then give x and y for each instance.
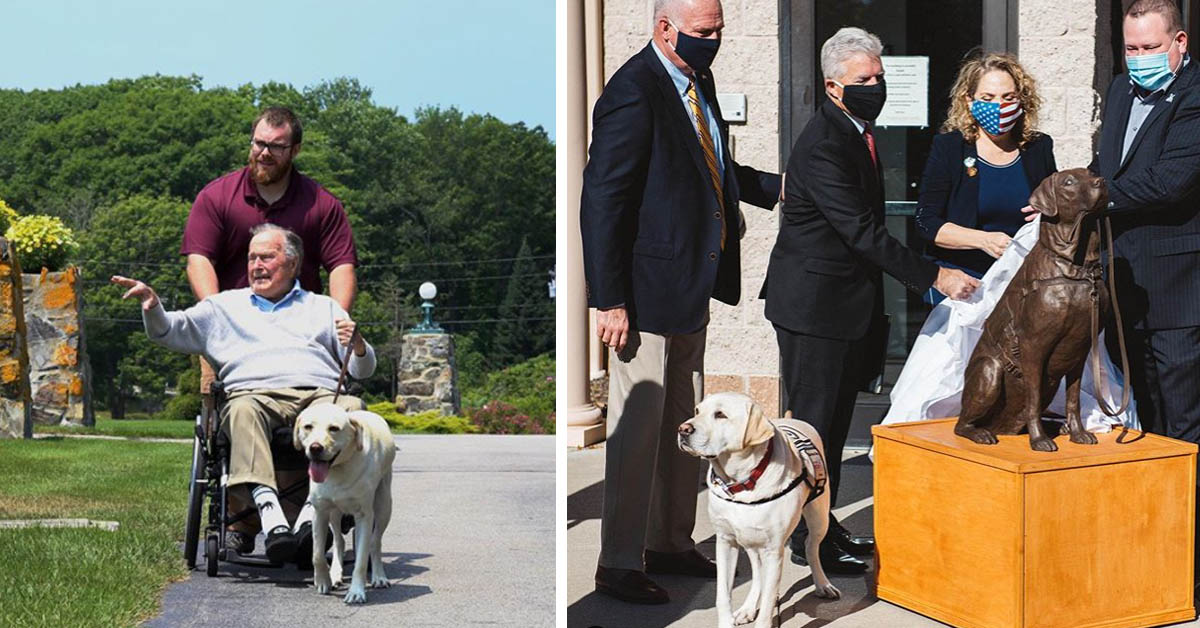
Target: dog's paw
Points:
(1083, 438)
(828, 592)
(335, 575)
(379, 583)
(745, 615)
(356, 595)
(322, 584)
(1043, 444)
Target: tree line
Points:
(465, 201)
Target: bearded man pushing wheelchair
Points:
(277, 348)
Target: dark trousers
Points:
(821, 378)
(1164, 369)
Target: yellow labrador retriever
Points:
(350, 467)
(763, 476)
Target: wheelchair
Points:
(209, 482)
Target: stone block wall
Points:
(426, 375)
(58, 375)
(741, 354)
(1065, 45)
(14, 357)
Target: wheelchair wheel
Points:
(210, 555)
(196, 489)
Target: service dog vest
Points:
(812, 470)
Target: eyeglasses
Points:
(275, 149)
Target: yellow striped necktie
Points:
(710, 153)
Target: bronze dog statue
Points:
(1039, 331)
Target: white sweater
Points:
(295, 346)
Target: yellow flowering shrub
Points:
(41, 242)
(8, 216)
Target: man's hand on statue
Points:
(955, 284)
(345, 331)
(137, 289)
(994, 243)
(612, 326)
(1030, 213)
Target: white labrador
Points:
(350, 471)
(755, 501)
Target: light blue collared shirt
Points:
(266, 305)
(681, 81)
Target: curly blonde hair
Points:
(959, 117)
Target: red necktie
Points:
(871, 145)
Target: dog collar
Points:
(812, 471)
(748, 483)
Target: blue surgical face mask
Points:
(1151, 72)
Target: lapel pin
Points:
(1171, 97)
(969, 162)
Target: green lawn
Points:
(133, 428)
(90, 577)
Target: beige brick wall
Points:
(1058, 44)
(741, 354)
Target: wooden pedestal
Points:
(1001, 535)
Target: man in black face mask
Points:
(660, 224)
(824, 285)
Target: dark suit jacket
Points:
(1155, 199)
(824, 278)
(949, 195)
(650, 219)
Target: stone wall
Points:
(58, 377)
(1066, 46)
(14, 358)
(426, 375)
(741, 354)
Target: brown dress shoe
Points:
(629, 585)
(689, 563)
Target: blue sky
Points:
(482, 56)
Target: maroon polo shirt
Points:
(218, 226)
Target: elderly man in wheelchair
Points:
(277, 348)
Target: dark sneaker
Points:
(281, 545)
(304, 546)
(239, 542)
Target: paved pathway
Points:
(471, 543)
(693, 600)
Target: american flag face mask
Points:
(996, 118)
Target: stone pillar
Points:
(58, 375)
(584, 424)
(426, 375)
(15, 407)
(1065, 45)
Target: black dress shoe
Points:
(833, 559)
(689, 563)
(281, 545)
(629, 585)
(851, 544)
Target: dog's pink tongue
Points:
(318, 470)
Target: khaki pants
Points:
(650, 486)
(249, 418)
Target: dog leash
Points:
(345, 364)
(1112, 293)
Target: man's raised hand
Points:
(137, 289)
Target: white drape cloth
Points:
(931, 383)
